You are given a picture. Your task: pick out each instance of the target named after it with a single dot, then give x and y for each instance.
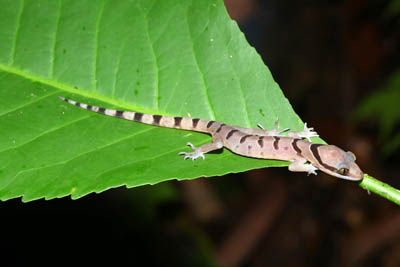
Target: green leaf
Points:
(174, 57)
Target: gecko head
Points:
(336, 162)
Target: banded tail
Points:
(184, 123)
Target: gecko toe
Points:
(260, 126)
(192, 155)
(312, 170)
(191, 145)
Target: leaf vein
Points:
(15, 39)
(117, 70)
(218, 159)
(43, 134)
(96, 45)
(26, 104)
(203, 79)
(157, 81)
(70, 89)
(86, 152)
(53, 51)
(237, 79)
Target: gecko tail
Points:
(184, 123)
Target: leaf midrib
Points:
(72, 90)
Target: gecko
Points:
(295, 147)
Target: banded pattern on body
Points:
(184, 123)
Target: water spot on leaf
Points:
(136, 92)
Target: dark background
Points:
(328, 57)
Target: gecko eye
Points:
(343, 171)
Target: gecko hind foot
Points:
(307, 133)
(274, 131)
(192, 155)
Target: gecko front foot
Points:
(301, 165)
(193, 155)
(312, 170)
(306, 133)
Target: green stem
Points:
(373, 185)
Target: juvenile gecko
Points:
(250, 142)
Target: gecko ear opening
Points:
(350, 155)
